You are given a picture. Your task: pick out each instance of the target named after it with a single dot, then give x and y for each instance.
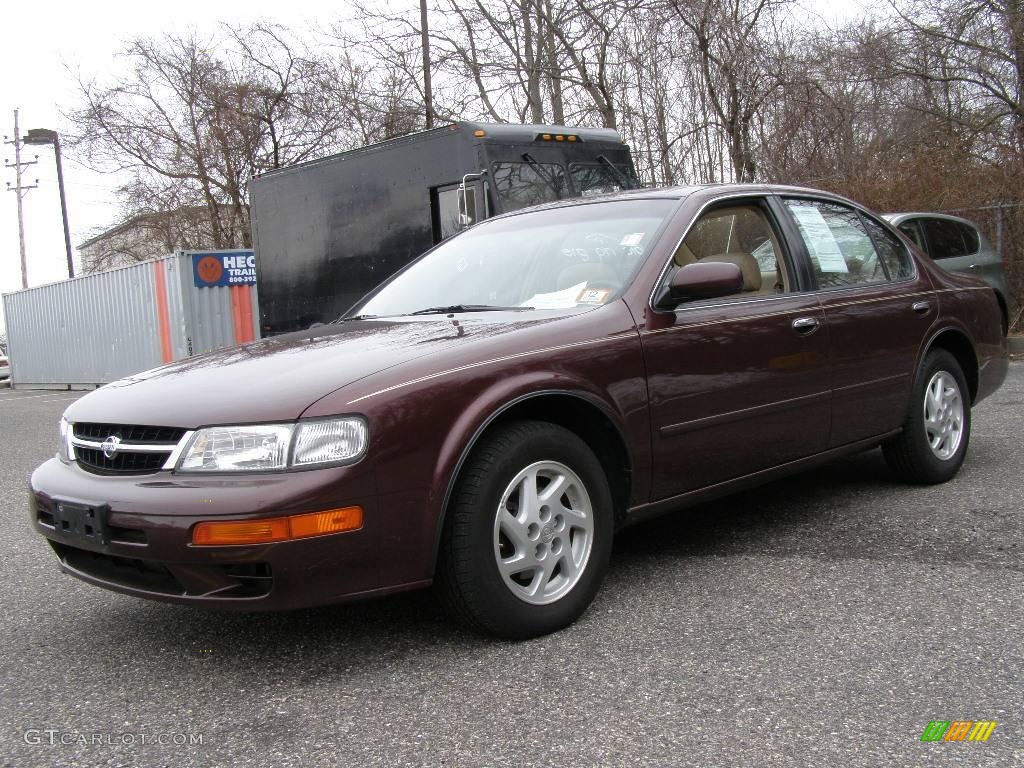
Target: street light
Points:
(38, 136)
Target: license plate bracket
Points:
(82, 521)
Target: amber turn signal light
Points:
(221, 532)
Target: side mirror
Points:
(704, 280)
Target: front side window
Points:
(564, 258)
(740, 235)
(453, 213)
(520, 185)
(841, 252)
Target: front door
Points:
(737, 384)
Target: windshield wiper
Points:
(548, 178)
(467, 308)
(619, 175)
(345, 319)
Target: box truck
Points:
(326, 232)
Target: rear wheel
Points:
(934, 440)
(528, 534)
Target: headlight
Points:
(328, 442)
(256, 448)
(64, 450)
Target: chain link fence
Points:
(1003, 225)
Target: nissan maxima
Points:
(489, 417)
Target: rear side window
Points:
(842, 254)
(971, 238)
(895, 258)
(913, 231)
(946, 238)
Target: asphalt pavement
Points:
(822, 620)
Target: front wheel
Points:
(528, 535)
(933, 443)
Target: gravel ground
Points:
(822, 620)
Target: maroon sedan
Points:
(490, 416)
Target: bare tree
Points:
(203, 124)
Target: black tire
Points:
(468, 582)
(909, 454)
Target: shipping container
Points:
(98, 328)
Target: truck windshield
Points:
(521, 185)
(562, 258)
(599, 178)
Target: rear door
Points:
(878, 310)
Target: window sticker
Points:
(821, 243)
(633, 239)
(565, 299)
(593, 296)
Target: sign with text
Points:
(224, 268)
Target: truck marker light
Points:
(559, 137)
(572, 138)
(546, 137)
(228, 532)
(479, 134)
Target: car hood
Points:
(276, 379)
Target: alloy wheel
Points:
(543, 532)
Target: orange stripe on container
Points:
(247, 319)
(236, 313)
(163, 319)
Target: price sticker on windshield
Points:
(593, 296)
(632, 240)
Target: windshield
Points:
(597, 179)
(554, 259)
(521, 185)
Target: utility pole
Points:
(428, 97)
(20, 190)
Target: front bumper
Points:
(146, 548)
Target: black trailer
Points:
(328, 231)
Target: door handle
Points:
(805, 326)
(920, 307)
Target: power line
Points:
(20, 191)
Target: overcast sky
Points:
(45, 46)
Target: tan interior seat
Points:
(685, 256)
(748, 266)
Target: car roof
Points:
(684, 191)
(897, 218)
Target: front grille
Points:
(125, 461)
(130, 433)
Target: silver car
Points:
(5, 368)
(956, 245)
